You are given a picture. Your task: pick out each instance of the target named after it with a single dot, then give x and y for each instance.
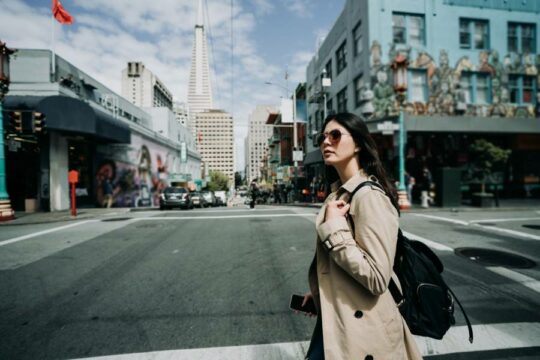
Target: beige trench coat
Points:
(360, 319)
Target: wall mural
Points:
(132, 175)
(446, 95)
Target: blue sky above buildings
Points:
(269, 36)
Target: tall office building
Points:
(200, 89)
(257, 140)
(143, 88)
(215, 137)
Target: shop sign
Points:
(387, 127)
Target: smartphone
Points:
(296, 304)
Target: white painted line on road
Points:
(508, 231)
(502, 220)
(204, 211)
(431, 244)
(486, 337)
(221, 217)
(524, 280)
(460, 222)
(29, 236)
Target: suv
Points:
(175, 197)
(209, 197)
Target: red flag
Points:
(61, 14)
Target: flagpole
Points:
(52, 50)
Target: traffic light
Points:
(15, 121)
(38, 122)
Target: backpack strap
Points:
(469, 327)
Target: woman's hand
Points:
(307, 297)
(336, 209)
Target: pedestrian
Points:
(107, 193)
(349, 276)
(253, 193)
(410, 181)
(277, 196)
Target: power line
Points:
(210, 36)
(232, 57)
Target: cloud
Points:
(301, 8)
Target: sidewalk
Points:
(22, 218)
(505, 205)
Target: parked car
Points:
(221, 197)
(175, 197)
(209, 197)
(198, 200)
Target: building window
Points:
(473, 34)
(328, 69)
(417, 86)
(522, 38)
(329, 106)
(342, 100)
(408, 29)
(341, 57)
(522, 89)
(357, 38)
(358, 85)
(476, 87)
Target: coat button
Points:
(369, 357)
(358, 314)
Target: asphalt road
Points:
(215, 284)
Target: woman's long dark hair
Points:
(368, 157)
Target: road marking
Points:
(508, 231)
(29, 236)
(221, 217)
(223, 211)
(524, 280)
(487, 337)
(502, 220)
(460, 222)
(431, 244)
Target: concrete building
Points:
(216, 142)
(471, 69)
(183, 115)
(200, 87)
(89, 128)
(257, 140)
(143, 88)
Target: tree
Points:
(237, 179)
(218, 181)
(486, 157)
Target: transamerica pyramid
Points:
(200, 89)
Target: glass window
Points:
(473, 34)
(329, 105)
(328, 69)
(418, 86)
(482, 89)
(342, 100)
(521, 38)
(341, 57)
(357, 37)
(398, 28)
(408, 29)
(522, 89)
(466, 84)
(358, 84)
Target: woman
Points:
(349, 277)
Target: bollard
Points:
(424, 197)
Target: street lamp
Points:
(399, 66)
(325, 83)
(6, 213)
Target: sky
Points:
(269, 37)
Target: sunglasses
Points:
(333, 135)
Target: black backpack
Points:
(426, 302)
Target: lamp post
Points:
(399, 66)
(6, 213)
(325, 83)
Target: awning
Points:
(68, 114)
(313, 157)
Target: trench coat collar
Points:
(352, 183)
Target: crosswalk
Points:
(488, 337)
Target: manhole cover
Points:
(490, 257)
(534, 227)
(117, 219)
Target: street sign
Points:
(298, 155)
(387, 127)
